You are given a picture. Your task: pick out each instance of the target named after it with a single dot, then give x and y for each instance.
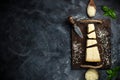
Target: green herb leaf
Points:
(112, 14)
(105, 8)
(112, 72)
(106, 14)
(116, 68)
(109, 77)
(109, 12)
(109, 71)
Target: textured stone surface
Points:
(35, 38)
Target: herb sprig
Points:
(109, 12)
(113, 72)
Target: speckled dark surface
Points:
(35, 38)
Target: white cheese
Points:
(91, 27)
(92, 35)
(91, 11)
(92, 54)
(91, 42)
(91, 74)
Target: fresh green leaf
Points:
(105, 8)
(109, 77)
(112, 72)
(116, 68)
(109, 71)
(106, 14)
(112, 14)
(109, 12)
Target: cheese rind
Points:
(92, 54)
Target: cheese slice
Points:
(91, 42)
(92, 54)
(92, 35)
(91, 27)
(92, 74)
(91, 11)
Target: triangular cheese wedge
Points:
(92, 54)
(92, 35)
(91, 42)
(91, 27)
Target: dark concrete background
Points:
(35, 38)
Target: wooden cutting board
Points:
(103, 35)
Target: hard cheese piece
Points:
(91, 11)
(91, 42)
(91, 27)
(92, 54)
(92, 35)
(91, 74)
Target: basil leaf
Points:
(105, 8)
(109, 77)
(116, 68)
(109, 72)
(109, 12)
(113, 72)
(106, 14)
(112, 14)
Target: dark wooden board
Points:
(103, 33)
